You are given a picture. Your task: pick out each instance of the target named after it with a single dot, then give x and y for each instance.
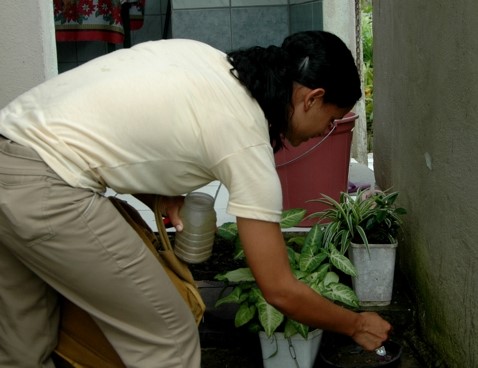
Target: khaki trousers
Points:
(58, 239)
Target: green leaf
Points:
(254, 326)
(363, 236)
(314, 239)
(238, 275)
(228, 231)
(342, 263)
(299, 240)
(331, 278)
(244, 314)
(269, 316)
(292, 217)
(238, 250)
(322, 271)
(341, 293)
(236, 296)
(319, 288)
(345, 237)
(390, 198)
(331, 232)
(310, 262)
(400, 211)
(299, 275)
(311, 255)
(293, 327)
(289, 328)
(293, 257)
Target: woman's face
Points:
(310, 116)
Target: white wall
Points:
(27, 44)
(339, 18)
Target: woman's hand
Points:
(169, 206)
(371, 331)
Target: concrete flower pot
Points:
(375, 270)
(281, 352)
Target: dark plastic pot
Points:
(344, 353)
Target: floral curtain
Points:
(96, 20)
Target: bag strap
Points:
(135, 220)
(153, 242)
(176, 269)
(177, 264)
(163, 234)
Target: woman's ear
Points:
(312, 97)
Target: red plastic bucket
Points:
(318, 166)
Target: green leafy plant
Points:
(367, 217)
(312, 261)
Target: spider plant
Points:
(367, 217)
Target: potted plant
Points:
(313, 262)
(366, 225)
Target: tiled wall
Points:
(225, 24)
(232, 24)
(305, 16)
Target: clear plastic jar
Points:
(195, 242)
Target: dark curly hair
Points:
(315, 59)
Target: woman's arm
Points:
(266, 255)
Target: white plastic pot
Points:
(375, 270)
(281, 352)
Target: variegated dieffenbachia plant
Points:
(312, 260)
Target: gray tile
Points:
(306, 17)
(111, 47)
(64, 67)
(169, 30)
(262, 26)
(243, 3)
(164, 6)
(66, 52)
(151, 30)
(199, 4)
(153, 7)
(211, 26)
(88, 50)
(293, 2)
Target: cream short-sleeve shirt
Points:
(163, 117)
